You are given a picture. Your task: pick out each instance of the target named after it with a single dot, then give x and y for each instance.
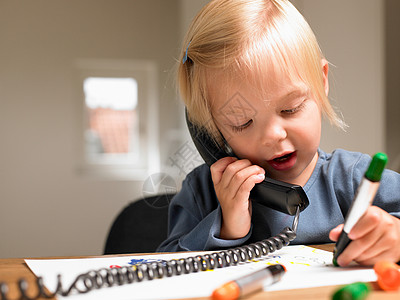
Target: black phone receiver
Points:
(278, 195)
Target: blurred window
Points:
(119, 132)
(112, 131)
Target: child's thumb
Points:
(335, 232)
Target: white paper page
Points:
(306, 267)
(310, 267)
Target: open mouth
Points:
(284, 162)
(284, 157)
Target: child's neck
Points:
(306, 174)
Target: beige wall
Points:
(392, 64)
(360, 39)
(46, 206)
(351, 35)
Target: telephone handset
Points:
(278, 195)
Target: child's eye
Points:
(242, 127)
(293, 110)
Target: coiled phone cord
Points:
(97, 279)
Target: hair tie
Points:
(186, 57)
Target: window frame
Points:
(145, 73)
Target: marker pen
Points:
(363, 199)
(249, 283)
(388, 274)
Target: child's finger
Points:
(217, 169)
(245, 188)
(335, 232)
(363, 248)
(373, 235)
(386, 244)
(375, 242)
(372, 254)
(253, 173)
(233, 177)
(368, 222)
(231, 171)
(235, 186)
(383, 256)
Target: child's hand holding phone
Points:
(233, 180)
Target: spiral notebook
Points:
(306, 267)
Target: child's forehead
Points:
(265, 82)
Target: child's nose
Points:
(274, 132)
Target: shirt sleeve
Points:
(388, 194)
(194, 220)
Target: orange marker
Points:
(249, 283)
(388, 274)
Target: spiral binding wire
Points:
(97, 279)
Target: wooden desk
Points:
(14, 268)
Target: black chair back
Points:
(140, 227)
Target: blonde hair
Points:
(237, 36)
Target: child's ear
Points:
(325, 71)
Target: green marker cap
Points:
(376, 167)
(354, 291)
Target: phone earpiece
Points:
(209, 150)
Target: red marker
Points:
(249, 283)
(388, 274)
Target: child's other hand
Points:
(233, 180)
(375, 237)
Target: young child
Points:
(252, 72)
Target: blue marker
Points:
(363, 199)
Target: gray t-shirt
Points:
(195, 214)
